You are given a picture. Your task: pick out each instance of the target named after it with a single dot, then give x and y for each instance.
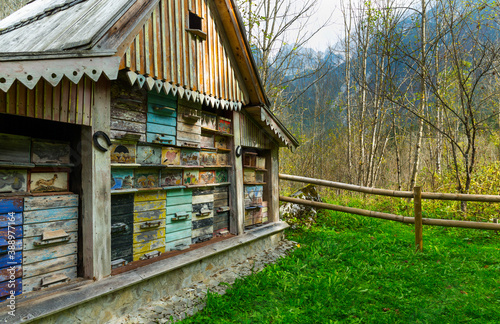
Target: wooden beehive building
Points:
(128, 129)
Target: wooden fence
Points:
(417, 196)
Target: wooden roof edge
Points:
(234, 28)
(273, 126)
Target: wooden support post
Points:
(495, 221)
(96, 191)
(273, 183)
(417, 203)
(237, 196)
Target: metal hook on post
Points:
(96, 142)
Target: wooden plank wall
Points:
(166, 51)
(252, 135)
(67, 102)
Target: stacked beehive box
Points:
(179, 213)
(203, 215)
(122, 228)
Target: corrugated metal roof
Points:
(48, 25)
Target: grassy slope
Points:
(359, 270)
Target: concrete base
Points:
(113, 297)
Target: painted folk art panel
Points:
(170, 156)
(207, 177)
(149, 154)
(222, 159)
(208, 158)
(146, 178)
(122, 179)
(50, 152)
(171, 178)
(209, 120)
(190, 157)
(190, 177)
(224, 125)
(221, 176)
(49, 181)
(13, 180)
(123, 152)
(221, 142)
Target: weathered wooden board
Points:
(177, 193)
(150, 195)
(206, 196)
(18, 246)
(202, 223)
(197, 208)
(148, 226)
(48, 252)
(149, 246)
(162, 119)
(221, 221)
(28, 243)
(125, 114)
(149, 205)
(173, 213)
(261, 162)
(37, 229)
(16, 271)
(16, 231)
(148, 154)
(193, 129)
(207, 177)
(15, 148)
(208, 158)
(48, 215)
(161, 130)
(179, 235)
(123, 152)
(122, 178)
(171, 177)
(43, 151)
(156, 121)
(190, 177)
(146, 178)
(202, 234)
(117, 134)
(11, 219)
(175, 226)
(45, 202)
(6, 287)
(128, 126)
(145, 237)
(170, 156)
(143, 255)
(222, 159)
(149, 215)
(34, 283)
(40, 268)
(260, 176)
(8, 205)
(249, 175)
(249, 217)
(207, 141)
(180, 244)
(122, 199)
(13, 180)
(44, 181)
(11, 259)
(224, 125)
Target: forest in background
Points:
(409, 97)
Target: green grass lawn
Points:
(361, 270)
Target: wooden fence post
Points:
(417, 203)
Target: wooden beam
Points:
(237, 221)
(96, 193)
(273, 183)
(417, 204)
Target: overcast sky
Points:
(334, 31)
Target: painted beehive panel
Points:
(190, 177)
(222, 159)
(189, 125)
(208, 120)
(260, 176)
(190, 157)
(6, 287)
(50, 240)
(122, 179)
(224, 125)
(15, 148)
(260, 162)
(207, 141)
(264, 212)
(56, 180)
(249, 194)
(208, 158)
(171, 177)
(249, 175)
(203, 213)
(146, 178)
(249, 216)
(221, 142)
(148, 154)
(161, 119)
(11, 205)
(122, 152)
(178, 222)
(221, 176)
(50, 152)
(122, 225)
(207, 177)
(13, 180)
(11, 239)
(170, 156)
(149, 224)
(258, 194)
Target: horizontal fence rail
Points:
(417, 196)
(392, 193)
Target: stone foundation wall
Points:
(110, 307)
